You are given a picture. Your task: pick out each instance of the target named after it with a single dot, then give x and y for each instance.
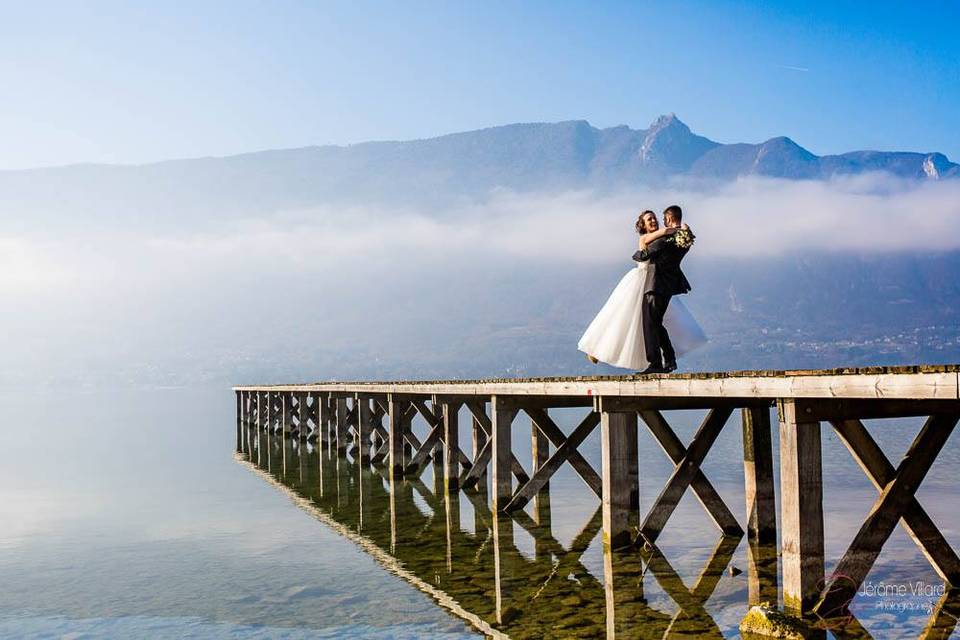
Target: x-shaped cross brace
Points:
(687, 473)
(433, 438)
(896, 501)
(479, 465)
(566, 452)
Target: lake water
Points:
(129, 514)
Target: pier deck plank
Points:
(918, 382)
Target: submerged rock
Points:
(764, 620)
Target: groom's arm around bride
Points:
(666, 255)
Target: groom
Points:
(668, 281)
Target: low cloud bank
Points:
(749, 217)
(113, 294)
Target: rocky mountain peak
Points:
(666, 121)
(670, 145)
(935, 165)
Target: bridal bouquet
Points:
(683, 238)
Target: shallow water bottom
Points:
(128, 515)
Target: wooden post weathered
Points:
(261, 410)
(479, 440)
(399, 424)
(451, 447)
(540, 450)
(801, 486)
(503, 412)
(437, 457)
(621, 486)
(287, 413)
(302, 417)
(240, 419)
(342, 426)
(271, 411)
(364, 418)
(274, 412)
(758, 474)
(325, 412)
(319, 411)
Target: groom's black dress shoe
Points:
(652, 369)
(670, 367)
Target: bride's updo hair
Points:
(639, 224)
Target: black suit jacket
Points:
(668, 279)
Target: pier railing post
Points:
(621, 485)
(801, 488)
(503, 411)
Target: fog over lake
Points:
(511, 279)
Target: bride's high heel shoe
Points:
(592, 359)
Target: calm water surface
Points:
(127, 514)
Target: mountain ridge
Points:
(666, 136)
(433, 175)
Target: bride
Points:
(615, 335)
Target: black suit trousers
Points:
(655, 338)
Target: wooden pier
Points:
(372, 421)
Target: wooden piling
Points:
(364, 420)
(540, 450)
(342, 425)
(262, 410)
(621, 486)
(451, 446)
(478, 441)
(303, 431)
(758, 474)
(801, 487)
(399, 425)
(503, 412)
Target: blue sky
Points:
(136, 82)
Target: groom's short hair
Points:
(674, 211)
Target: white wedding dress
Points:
(615, 335)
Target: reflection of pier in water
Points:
(478, 572)
(347, 422)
